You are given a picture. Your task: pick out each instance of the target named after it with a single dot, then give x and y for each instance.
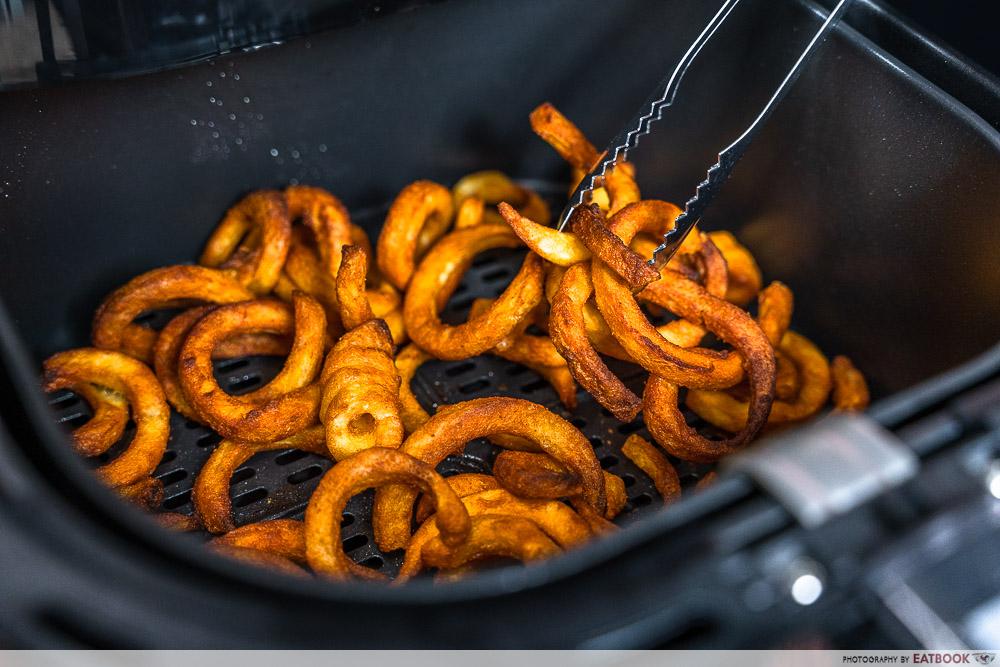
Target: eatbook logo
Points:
(984, 658)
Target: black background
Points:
(970, 26)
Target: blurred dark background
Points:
(65, 39)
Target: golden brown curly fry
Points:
(146, 494)
(287, 404)
(360, 405)
(564, 136)
(177, 522)
(850, 391)
(471, 212)
(491, 535)
(328, 220)
(558, 521)
(409, 359)
(108, 422)
(258, 558)
(355, 309)
(113, 328)
(560, 248)
(726, 412)
(210, 494)
(282, 537)
(651, 461)
(745, 279)
(438, 276)
(463, 485)
(422, 212)
(373, 468)
(569, 335)
(264, 216)
(134, 380)
(590, 226)
(493, 187)
(450, 429)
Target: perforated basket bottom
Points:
(278, 484)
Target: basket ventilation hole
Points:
(628, 479)
(75, 420)
(209, 440)
(459, 368)
(250, 497)
(243, 383)
(290, 456)
(474, 386)
(347, 520)
(173, 476)
(241, 475)
(305, 475)
(374, 563)
(168, 456)
(231, 364)
(641, 500)
(179, 500)
(355, 542)
(596, 441)
(630, 428)
(532, 387)
(495, 274)
(611, 460)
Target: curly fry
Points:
(450, 429)
(438, 276)
(493, 187)
(264, 215)
(177, 522)
(745, 279)
(471, 212)
(360, 404)
(146, 494)
(282, 537)
(463, 485)
(651, 461)
(564, 526)
(108, 422)
(560, 248)
(283, 406)
(328, 220)
(210, 494)
(258, 558)
(113, 327)
(590, 226)
(355, 309)
(420, 215)
(491, 535)
(567, 328)
(564, 136)
(726, 412)
(134, 380)
(373, 468)
(850, 391)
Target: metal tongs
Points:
(661, 98)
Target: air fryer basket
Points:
(871, 193)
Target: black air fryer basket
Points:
(873, 193)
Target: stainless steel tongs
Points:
(661, 98)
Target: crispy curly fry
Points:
(282, 537)
(146, 494)
(463, 485)
(621, 186)
(328, 220)
(726, 412)
(651, 461)
(177, 522)
(258, 558)
(287, 404)
(493, 187)
(409, 359)
(850, 391)
(569, 335)
(492, 535)
(450, 429)
(588, 224)
(355, 309)
(564, 526)
(108, 422)
(134, 380)
(564, 136)
(168, 347)
(420, 215)
(538, 475)
(438, 276)
(535, 352)
(373, 468)
(210, 494)
(471, 212)
(560, 248)
(360, 405)
(264, 216)
(745, 279)
(113, 326)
